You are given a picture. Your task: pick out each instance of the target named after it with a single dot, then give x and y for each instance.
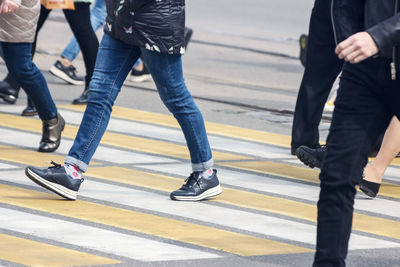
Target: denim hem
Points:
(76, 162)
(198, 167)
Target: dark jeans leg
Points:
(44, 13)
(322, 68)
(79, 22)
(18, 59)
(360, 116)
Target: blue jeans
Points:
(97, 17)
(114, 62)
(18, 58)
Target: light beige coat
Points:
(20, 26)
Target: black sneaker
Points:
(197, 187)
(312, 157)
(140, 76)
(67, 74)
(83, 98)
(55, 179)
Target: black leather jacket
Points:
(380, 18)
(157, 25)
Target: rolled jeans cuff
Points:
(73, 161)
(198, 167)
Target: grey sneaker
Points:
(55, 179)
(197, 187)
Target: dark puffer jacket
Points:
(157, 25)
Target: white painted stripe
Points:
(283, 187)
(176, 135)
(106, 241)
(7, 166)
(115, 155)
(257, 223)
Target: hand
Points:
(8, 6)
(357, 48)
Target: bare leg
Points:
(388, 151)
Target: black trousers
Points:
(79, 22)
(322, 68)
(367, 100)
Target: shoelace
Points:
(55, 165)
(192, 176)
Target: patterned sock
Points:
(73, 171)
(207, 173)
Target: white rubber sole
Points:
(212, 192)
(58, 73)
(141, 78)
(56, 188)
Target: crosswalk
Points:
(123, 215)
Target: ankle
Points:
(65, 62)
(372, 174)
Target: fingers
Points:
(8, 7)
(343, 45)
(356, 48)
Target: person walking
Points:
(321, 70)
(79, 22)
(63, 67)
(367, 100)
(17, 31)
(154, 30)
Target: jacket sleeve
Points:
(347, 17)
(386, 34)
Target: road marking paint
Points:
(32, 253)
(205, 236)
(106, 241)
(369, 224)
(116, 139)
(212, 128)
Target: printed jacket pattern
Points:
(157, 25)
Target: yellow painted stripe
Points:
(245, 199)
(115, 139)
(32, 253)
(213, 128)
(299, 173)
(31, 157)
(205, 236)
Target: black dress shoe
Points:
(371, 189)
(312, 157)
(51, 134)
(8, 93)
(30, 109)
(83, 98)
(55, 179)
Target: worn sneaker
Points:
(312, 157)
(55, 179)
(197, 187)
(140, 76)
(67, 74)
